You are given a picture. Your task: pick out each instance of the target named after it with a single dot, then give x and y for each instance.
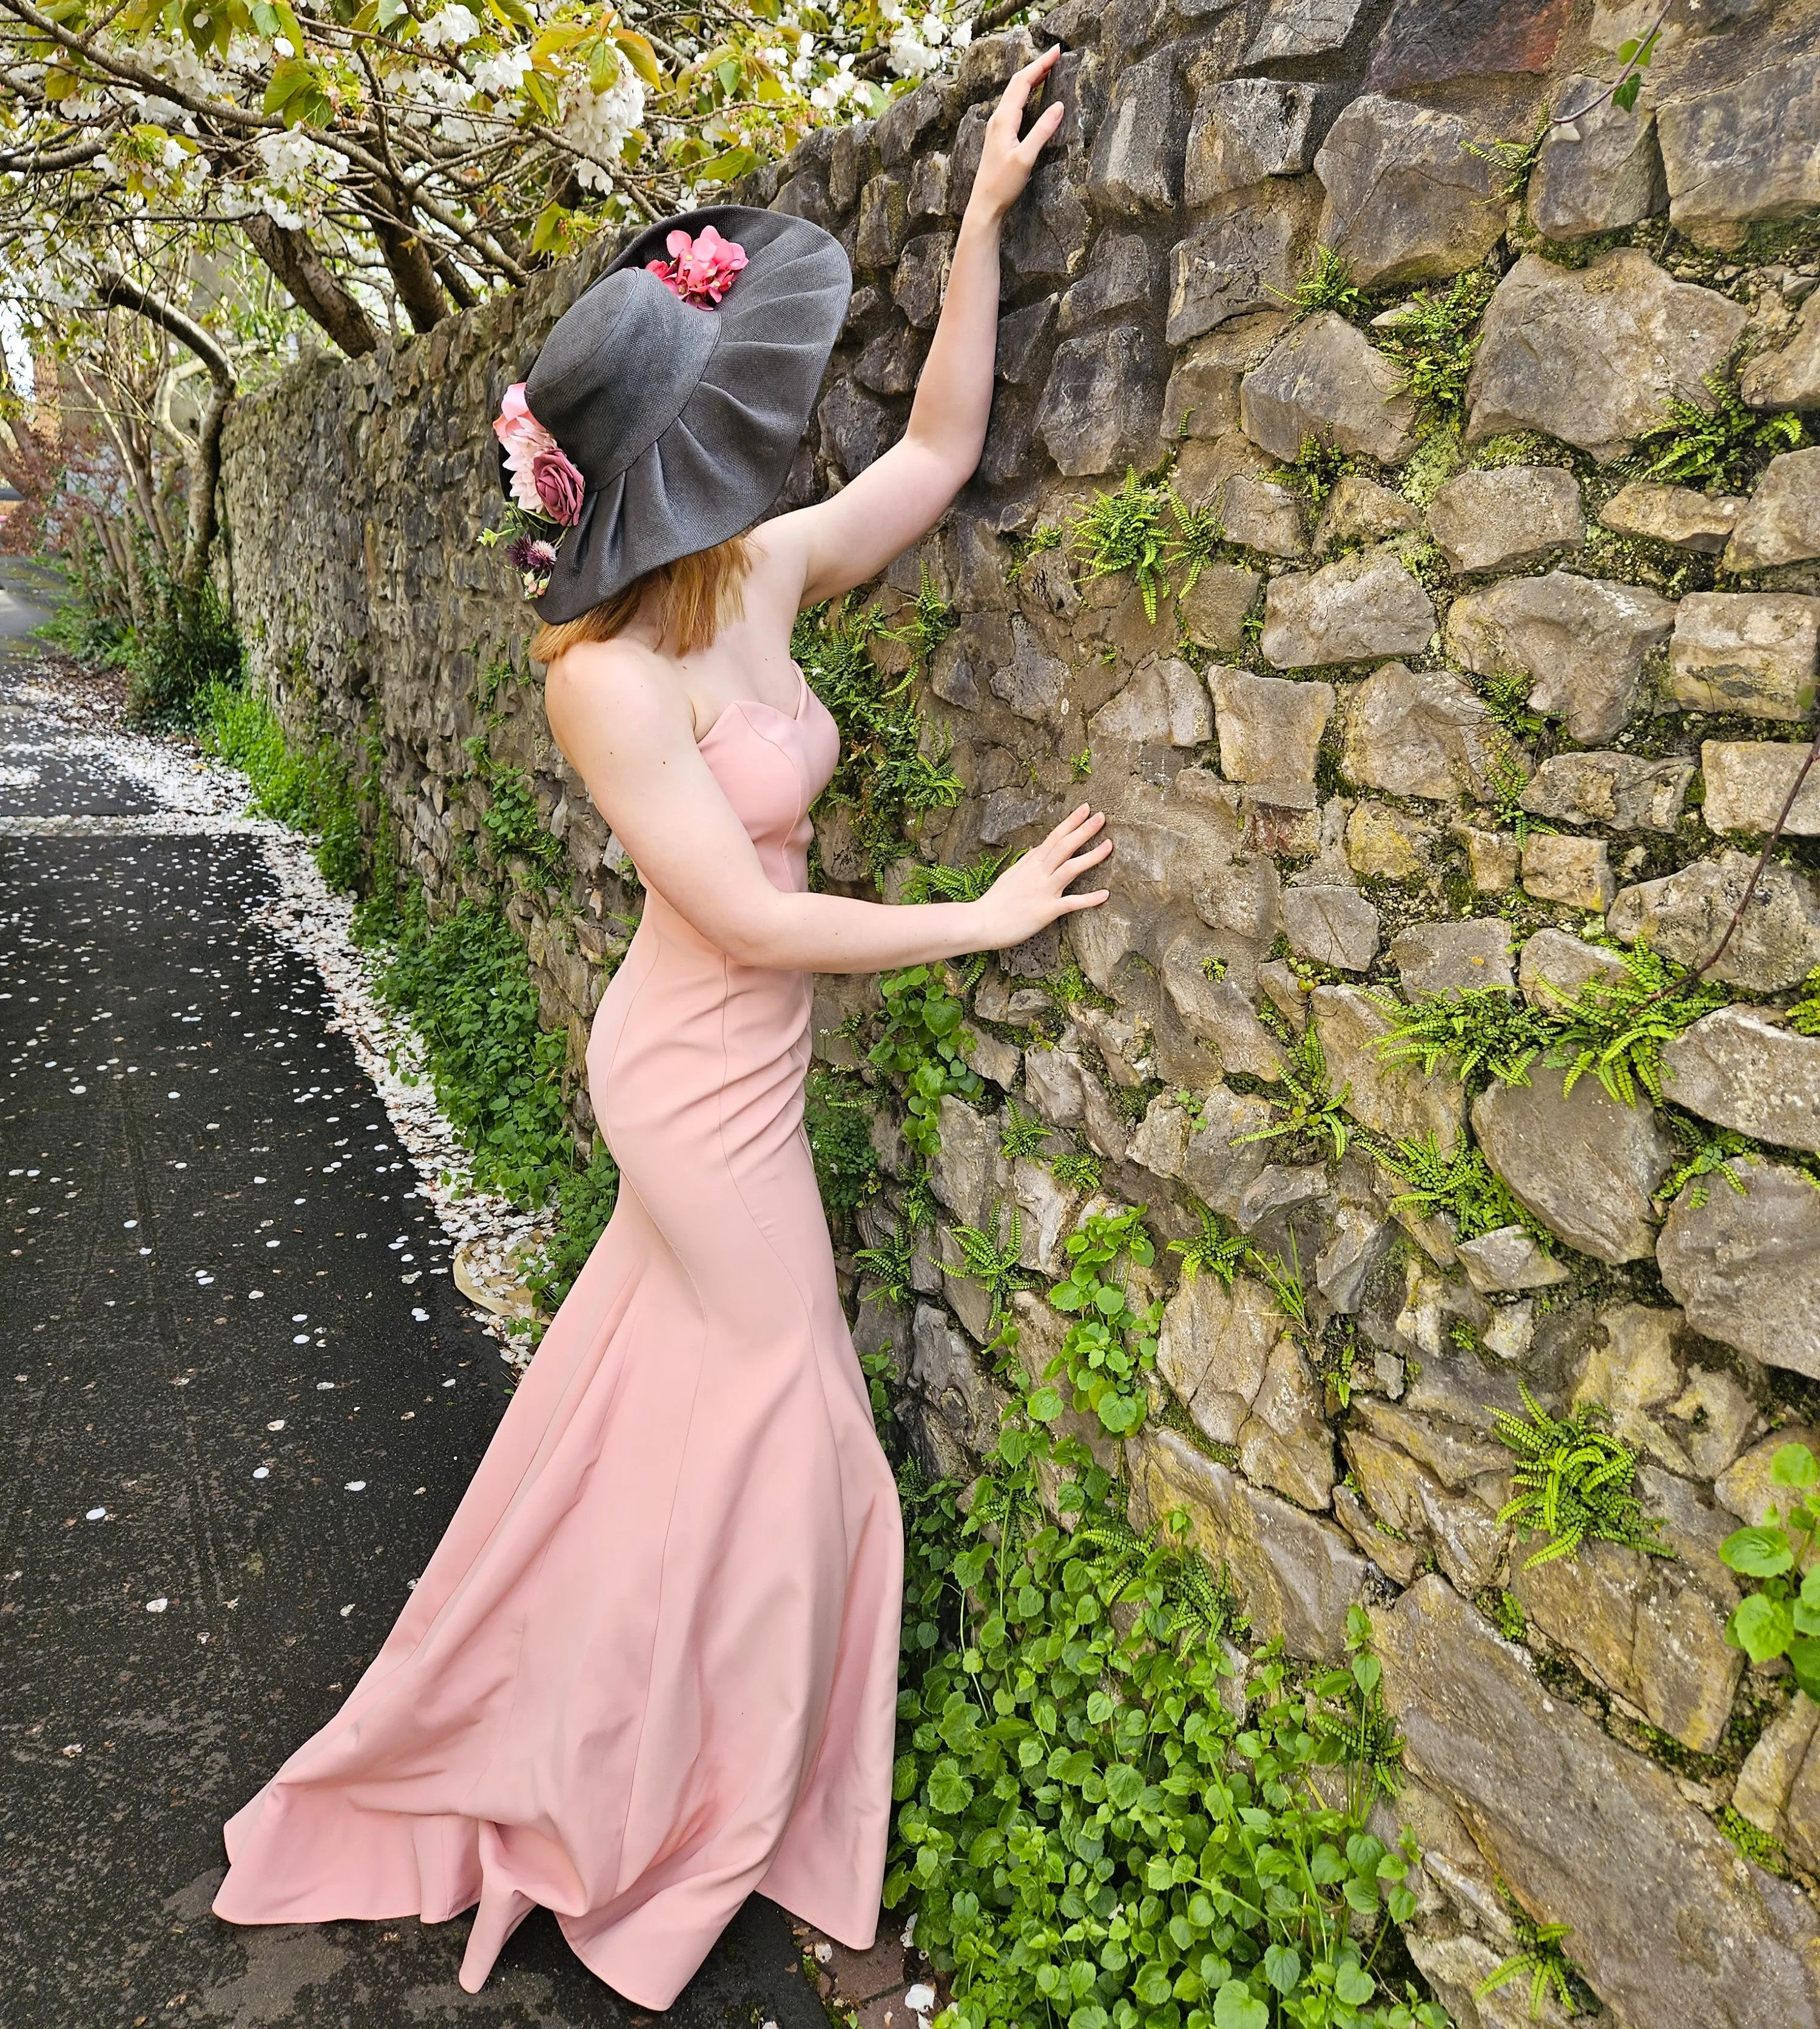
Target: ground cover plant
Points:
(1092, 1830)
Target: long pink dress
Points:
(652, 1664)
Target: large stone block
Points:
(1506, 517)
(1034, 682)
(1745, 652)
(1392, 1099)
(1749, 783)
(1406, 202)
(1788, 376)
(921, 280)
(1420, 732)
(1122, 276)
(1269, 732)
(1164, 701)
(1734, 1067)
(1676, 515)
(1214, 608)
(1246, 128)
(1581, 641)
(1591, 354)
(1615, 789)
(1452, 958)
(1685, 915)
(1217, 1010)
(1302, 29)
(1599, 172)
(1745, 1264)
(1331, 925)
(1328, 381)
(1102, 406)
(1744, 151)
(1586, 1165)
(1561, 867)
(1246, 257)
(1358, 609)
(1202, 399)
(1137, 158)
(1295, 1576)
(1643, 1630)
(1779, 523)
(1669, 1925)
(1422, 43)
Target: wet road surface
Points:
(240, 1398)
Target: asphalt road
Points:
(240, 1400)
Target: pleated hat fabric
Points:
(683, 420)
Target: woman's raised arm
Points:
(619, 716)
(842, 542)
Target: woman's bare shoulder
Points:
(620, 677)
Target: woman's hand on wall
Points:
(1006, 161)
(1031, 892)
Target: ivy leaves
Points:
(1782, 1616)
(921, 1043)
(1111, 1346)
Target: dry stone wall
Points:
(1459, 700)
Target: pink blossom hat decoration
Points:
(544, 481)
(700, 270)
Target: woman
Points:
(652, 1665)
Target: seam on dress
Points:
(676, 1492)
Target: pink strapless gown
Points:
(652, 1665)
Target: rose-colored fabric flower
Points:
(525, 440)
(559, 486)
(700, 270)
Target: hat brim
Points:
(723, 461)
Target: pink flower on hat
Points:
(558, 486)
(700, 270)
(525, 440)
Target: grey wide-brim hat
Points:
(682, 421)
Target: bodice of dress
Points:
(771, 766)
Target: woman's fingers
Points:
(1071, 903)
(1040, 134)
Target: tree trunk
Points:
(205, 455)
(292, 257)
(412, 271)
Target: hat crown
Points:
(616, 368)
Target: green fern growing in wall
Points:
(1352, 1724)
(1805, 1016)
(1706, 1152)
(993, 1263)
(1213, 1249)
(1125, 532)
(892, 1262)
(1573, 1481)
(1080, 1169)
(1539, 1958)
(1720, 446)
(1327, 285)
(1310, 1106)
(1433, 339)
(1479, 1032)
(1025, 1134)
(1459, 1183)
(1616, 1029)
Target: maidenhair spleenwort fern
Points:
(1312, 1107)
(1459, 1182)
(1572, 1481)
(1221, 1253)
(993, 1263)
(1538, 1956)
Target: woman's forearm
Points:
(953, 396)
(834, 933)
